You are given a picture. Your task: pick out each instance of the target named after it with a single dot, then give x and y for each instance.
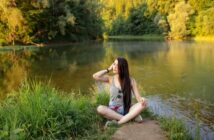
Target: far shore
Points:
(146, 37)
(157, 37)
(35, 47)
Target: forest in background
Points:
(36, 21)
(39, 21)
(177, 19)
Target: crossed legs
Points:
(111, 114)
(108, 113)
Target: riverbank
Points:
(65, 43)
(42, 45)
(38, 110)
(204, 38)
(155, 37)
(147, 37)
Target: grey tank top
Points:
(116, 95)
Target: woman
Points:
(121, 88)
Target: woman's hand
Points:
(143, 101)
(111, 67)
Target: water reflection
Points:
(13, 70)
(69, 68)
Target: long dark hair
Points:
(123, 71)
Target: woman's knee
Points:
(101, 109)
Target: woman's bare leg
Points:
(108, 113)
(133, 112)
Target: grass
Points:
(174, 128)
(133, 37)
(39, 111)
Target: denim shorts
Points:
(118, 109)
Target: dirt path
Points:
(148, 130)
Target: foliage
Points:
(111, 9)
(205, 22)
(178, 20)
(30, 22)
(45, 20)
(119, 26)
(200, 5)
(12, 23)
(67, 19)
(139, 22)
(40, 112)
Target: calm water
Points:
(178, 77)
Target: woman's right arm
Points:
(99, 76)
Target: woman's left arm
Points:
(136, 92)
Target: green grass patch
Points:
(174, 128)
(132, 37)
(38, 111)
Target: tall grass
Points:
(38, 111)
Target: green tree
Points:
(119, 26)
(200, 5)
(178, 20)
(205, 22)
(12, 24)
(112, 9)
(27, 21)
(67, 19)
(141, 21)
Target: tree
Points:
(205, 22)
(200, 5)
(119, 26)
(12, 24)
(27, 21)
(178, 20)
